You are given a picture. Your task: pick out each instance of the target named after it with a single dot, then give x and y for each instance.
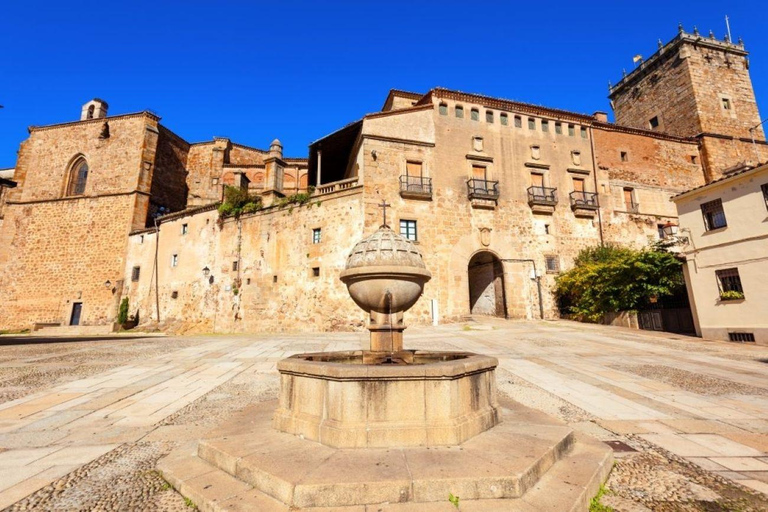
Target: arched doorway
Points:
(486, 285)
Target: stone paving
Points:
(690, 407)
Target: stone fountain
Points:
(397, 429)
(386, 396)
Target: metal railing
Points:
(586, 200)
(542, 196)
(416, 185)
(482, 189)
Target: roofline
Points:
(399, 111)
(506, 104)
(7, 183)
(348, 125)
(719, 182)
(654, 60)
(399, 92)
(600, 125)
(145, 113)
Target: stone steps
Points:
(519, 464)
(567, 487)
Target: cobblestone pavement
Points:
(83, 424)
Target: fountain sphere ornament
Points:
(385, 275)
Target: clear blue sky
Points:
(253, 71)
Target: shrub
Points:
(238, 201)
(609, 279)
(122, 311)
(731, 295)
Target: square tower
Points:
(696, 86)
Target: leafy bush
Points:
(731, 295)
(238, 201)
(122, 312)
(610, 278)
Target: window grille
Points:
(443, 109)
(714, 215)
(741, 336)
(728, 280)
(459, 111)
(504, 119)
(553, 264)
(489, 116)
(558, 128)
(544, 125)
(316, 235)
(531, 123)
(518, 122)
(475, 114)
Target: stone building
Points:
(724, 239)
(500, 195)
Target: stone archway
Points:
(486, 285)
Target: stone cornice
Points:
(398, 140)
(77, 198)
(144, 113)
(599, 125)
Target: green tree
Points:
(611, 278)
(122, 312)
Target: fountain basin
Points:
(409, 398)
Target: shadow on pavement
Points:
(32, 340)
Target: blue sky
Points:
(253, 71)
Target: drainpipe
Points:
(594, 177)
(157, 270)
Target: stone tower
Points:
(696, 86)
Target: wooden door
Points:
(77, 309)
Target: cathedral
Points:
(499, 196)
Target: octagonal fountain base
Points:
(360, 399)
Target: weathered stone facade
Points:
(499, 195)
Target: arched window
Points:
(91, 109)
(78, 177)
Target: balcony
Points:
(415, 187)
(482, 189)
(584, 204)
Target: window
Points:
(583, 132)
(91, 110)
(531, 123)
(443, 108)
(714, 215)
(504, 119)
(184, 229)
(315, 271)
(235, 266)
(578, 184)
(729, 283)
(558, 128)
(479, 172)
(459, 110)
(546, 229)
(408, 230)
(553, 264)
(78, 177)
(624, 156)
(214, 181)
(474, 114)
(413, 168)
(518, 122)
(571, 130)
(174, 294)
(175, 260)
(141, 239)
(274, 279)
(537, 179)
(741, 336)
(694, 160)
(726, 103)
(317, 234)
(629, 199)
(660, 228)
(764, 188)
(135, 272)
(489, 116)
(544, 125)
(654, 122)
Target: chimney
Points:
(601, 116)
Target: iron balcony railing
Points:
(584, 200)
(482, 189)
(542, 196)
(416, 186)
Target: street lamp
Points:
(206, 271)
(670, 229)
(107, 284)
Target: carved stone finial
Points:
(624, 73)
(727, 38)
(659, 44)
(680, 28)
(610, 86)
(104, 131)
(741, 41)
(695, 30)
(711, 34)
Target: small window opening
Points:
(184, 229)
(694, 159)
(544, 125)
(624, 157)
(714, 215)
(654, 122)
(553, 264)
(315, 271)
(174, 294)
(235, 266)
(531, 123)
(504, 119)
(443, 109)
(459, 110)
(558, 128)
(475, 114)
(741, 336)
(175, 260)
(274, 279)
(726, 103)
(571, 130)
(518, 122)
(316, 235)
(583, 132)
(546, 229)
(489, 116)
(135, 272)
(408, 230)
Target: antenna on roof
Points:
(728, 26)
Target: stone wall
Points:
(261, 269)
